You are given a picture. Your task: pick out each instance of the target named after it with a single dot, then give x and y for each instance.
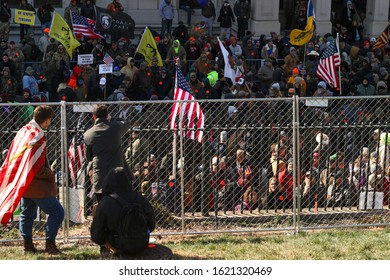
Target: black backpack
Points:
(133, 232)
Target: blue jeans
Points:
(226, 30)
(166, 26)
(210, 22)
(51, 206)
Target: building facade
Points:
(266, 15)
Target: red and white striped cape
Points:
(25, 158)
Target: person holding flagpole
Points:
(300, 37)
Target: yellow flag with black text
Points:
(61, 31)
(300, 37)
(148, 48)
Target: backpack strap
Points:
(121, 200)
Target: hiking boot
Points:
(51, 248)
(29, 247)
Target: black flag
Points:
(114, 23)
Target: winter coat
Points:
(208, 11)
(107, 218)
(226, 17)
(5, 13)
(242, 9)
(45, 13)
(104, 148)
(43, 184)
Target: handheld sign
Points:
(24, 17)
(105, 68)
(85, 59)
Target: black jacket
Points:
(5, 13)
(226, 16)
(106, 220)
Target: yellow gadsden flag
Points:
(61, 31)
(148, 48)
(300, 37)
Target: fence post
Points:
(296, 164)
(64, 168)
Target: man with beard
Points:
(163, 84)
(202, 65)
(194, 83)
(192, 48)
(290, 61)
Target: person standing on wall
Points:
(242, 10)
(24, 5)
(208, 15)
(167, 15)
(226, 18)
(5, 16)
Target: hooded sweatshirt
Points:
(107, 217)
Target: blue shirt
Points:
(166, 10)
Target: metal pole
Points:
(296, 163)
(64, 165)
(338, 50)
(182, 171)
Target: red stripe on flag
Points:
(26, 156)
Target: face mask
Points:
(356, 169)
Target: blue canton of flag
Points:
(107, 59)
(189, 110)
(182, 82)
(83, 26)
(329, 61)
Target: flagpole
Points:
(140, 40)
(338, 50)
(181, 158)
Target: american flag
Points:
(189, 110)
(84, 26)
(382, 41)
(108, 59)
(329, 61)
(26, 156)
(76, 156)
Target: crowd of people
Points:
(269, 67)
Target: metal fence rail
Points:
(263, 165)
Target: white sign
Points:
(85, 59)
(105, 68)
(83, 108)
(317, 103)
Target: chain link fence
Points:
(263, 165)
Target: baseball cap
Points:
(102, 81)
(275, 86)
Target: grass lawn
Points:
(338, 244)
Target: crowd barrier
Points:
(262, 165)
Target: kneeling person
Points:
(124, 218)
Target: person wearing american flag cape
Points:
(26, 177)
